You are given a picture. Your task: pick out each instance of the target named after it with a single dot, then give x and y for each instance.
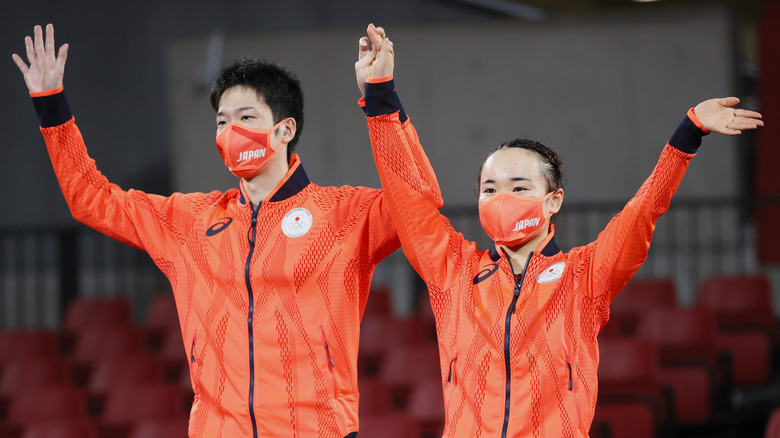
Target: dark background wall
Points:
(116, 79)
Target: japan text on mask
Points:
(510, 219)
(245, 150)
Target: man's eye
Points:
(246, 117)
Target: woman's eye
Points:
(518, 189)
(489, 190)
(246, 117)
(221, 123)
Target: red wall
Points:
(767, 163)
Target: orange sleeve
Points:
(382, 238)
(133, 217)
(621, 248)
(428, 240)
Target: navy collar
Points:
(549, 250)
(294, 181)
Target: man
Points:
(270, 278)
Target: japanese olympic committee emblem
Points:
(297, 222)
(551, 273)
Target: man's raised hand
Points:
(45, 70)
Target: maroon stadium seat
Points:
(392, 425)
(630, 388)
(686, 339)
(636, 298)
(746, 326)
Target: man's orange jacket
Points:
(518, 350)
(269, 298)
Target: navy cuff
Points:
(687, 137)
(52, 110)
(382, 99)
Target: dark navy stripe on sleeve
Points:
(687, 137)
(52, 110)
(382, 99)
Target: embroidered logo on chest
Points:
(551, 273)
(297, 222)
(220, 225)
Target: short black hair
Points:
(279, 87)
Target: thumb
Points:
(727, 101)
(62, 56)
(366, 54)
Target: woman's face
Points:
(518, 171)
(513, 170)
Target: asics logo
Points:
(222, 223)
(485, 273)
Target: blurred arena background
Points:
(88, 325)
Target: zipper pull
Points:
(571, 383)
(327, 348)
(449, 376)
(192, 349)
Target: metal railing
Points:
(42, 269)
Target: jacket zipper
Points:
(507, 327)
(450, 377)
(247, 275)
(331, 365)
(571, 390)
(452, 361)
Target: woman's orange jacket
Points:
(518, 357)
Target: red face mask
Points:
(245, 150)
(510, 219)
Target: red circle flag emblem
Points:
(551, 273)
(297, 222)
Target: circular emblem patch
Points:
(552, 273)
(296, 222)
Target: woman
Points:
(517, 323)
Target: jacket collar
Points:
(547, 248)
(293, 182)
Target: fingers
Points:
(20, 63)
(742, 120)
(363, 48)
(742, 123)
(38, 41)
(739, 112)
(387, 47)
(28, 47)
(49, 40)
(374, 35)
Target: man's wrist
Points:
(52, 107)
(47, 92)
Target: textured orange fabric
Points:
(551, 347)
(308, 292)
